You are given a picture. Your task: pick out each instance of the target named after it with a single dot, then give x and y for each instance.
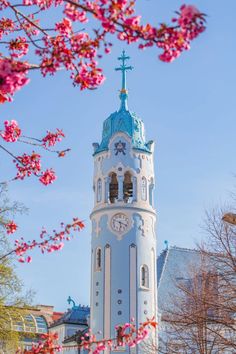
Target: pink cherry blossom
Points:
(48, 177)
(6, 26)
(74, 14)
(47, 242)
(52, 138)
(89, 76)
(76, 51)
(47, 344)
(187, 14)
(12, 131)
(18, 47)
(11, 227)
(28, 165)
(12, 78)
(128, 336)
(64, 27)
(3, 4)
(133, 21)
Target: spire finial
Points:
(70, 300)
(123, 68)
(166, 244)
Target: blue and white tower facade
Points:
(123, 255)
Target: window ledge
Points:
(144, 288)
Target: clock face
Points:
(120, 223)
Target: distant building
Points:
(174, 266)
(31, 324)
(189, 294)
(71, 326)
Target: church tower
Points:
(123, 283)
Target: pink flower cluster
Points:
(12, 78)
(76, 52)
(11, 227)
(64, 27)
(174, 40)
(31, 27)
(47, 344)
(6, 26)
(28, 165)
(89, 76)
(18, 47)
(127, 335)
(31, 164)
(3, 4)
(56, 55)
(48, 177)
(47, 243)
(74, 15)
(63, 46)
(43, 4)
(52, 138)
(12, 131)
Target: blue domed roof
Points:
(126, 122)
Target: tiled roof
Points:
(76, 315)
(57, 315)
(173, 264)
(126, 122)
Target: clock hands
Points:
(121, 223)
(121, 226)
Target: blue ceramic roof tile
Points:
(77, 315)
(126, 122)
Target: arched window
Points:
(144, 275)
(113, 188)
(127, 188)
(144, 188)
(98, 260)
(151, 188)
(99, 190)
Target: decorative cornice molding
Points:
(123, 207)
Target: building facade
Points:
(123, 247)
(192, 316)
(71, 326)
(29, 324)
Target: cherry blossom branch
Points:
(48, 343)
(77, 53)
(47, 243)
(17, 12)
(28, 165)
(9, 153)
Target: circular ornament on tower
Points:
(120, 223)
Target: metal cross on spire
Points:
(123, 68)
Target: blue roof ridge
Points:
(184, 249)
(165, 254)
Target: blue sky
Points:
(188, 108)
